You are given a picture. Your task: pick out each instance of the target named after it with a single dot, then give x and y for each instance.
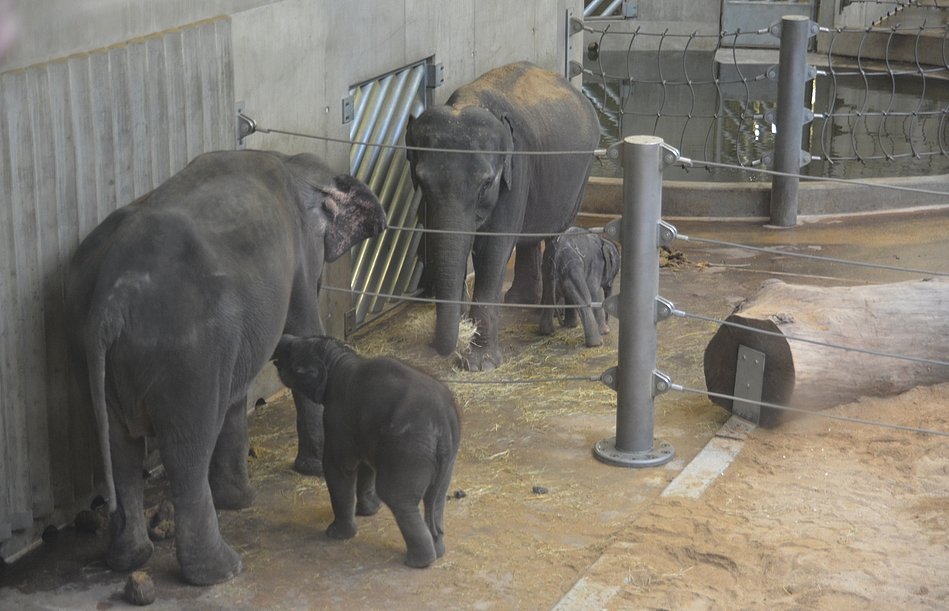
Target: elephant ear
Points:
(508, 146)
(353, 213)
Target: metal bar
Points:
(590, 9)
(792, 59)
(639, 288)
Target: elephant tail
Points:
(95, 360)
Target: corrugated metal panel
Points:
(387, 264)
(80, 137)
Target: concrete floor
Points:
(507, 547)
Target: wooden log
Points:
(905, 318)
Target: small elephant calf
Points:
(391, 433)
(579, 267)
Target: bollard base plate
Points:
(605, 451)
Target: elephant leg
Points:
(204, 556)
(130, 547)
(230, 486)
(490, 256)
(341, 483)
(309, 460)
(401, 482)
(526, 286)
(367, 501)
(570, 318)
(578, 294)
(434, 504)
(547, 314)
(600, 313)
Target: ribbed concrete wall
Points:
(80, 137)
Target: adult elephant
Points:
(512, 109)
(175, 303)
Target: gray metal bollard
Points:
(792, 76)
(635, 376)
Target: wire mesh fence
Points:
(879, 103)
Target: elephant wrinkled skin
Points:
(392, 433)
(579, 268)
(511, 109)
(175, 303)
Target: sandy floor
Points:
(814, 515)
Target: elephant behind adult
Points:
(515, 108)
(175, 303)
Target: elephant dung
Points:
(161, 521)
(139, 589)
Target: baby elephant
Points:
(579, 267)
(391, 433)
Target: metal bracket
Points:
(615, 152)
(661, 383)
(434, 75)
(667, 233)
(664, 308)
(749, 383)
(775, 29)
(771, 116)
(810, 73)
(245, 125)
(574, 26)
(574, 68)
(608, 377)
(349, 109)
(670, 154)
(767, 160)
(614, 230)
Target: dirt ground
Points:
(817, 514)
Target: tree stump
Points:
(905, 318)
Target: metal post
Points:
(792, 77)
(635, 380)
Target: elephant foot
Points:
(126, 558)
(232, 497)
(546, 326)
(483, 359)
(526, 296)
(439, 546)
(305, 465)
(604, 329)
(593, 342)
(368, 506)
(341, 530)
(209, 569)
(420, 558)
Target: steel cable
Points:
(818, 414)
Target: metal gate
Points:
(389, 263)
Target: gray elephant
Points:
(392, 433)
(579, 268)
(512, 109)
(175, 303)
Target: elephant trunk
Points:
(451, 264)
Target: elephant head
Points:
(461, 191)
(301, 367)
